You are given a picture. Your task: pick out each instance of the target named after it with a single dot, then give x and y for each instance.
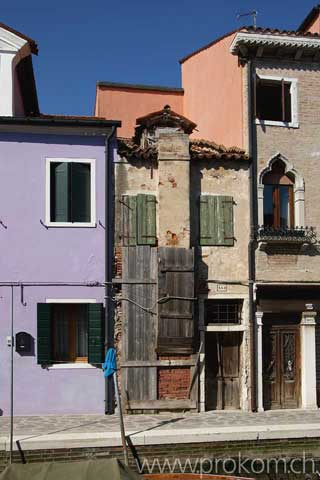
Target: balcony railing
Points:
(297, 235)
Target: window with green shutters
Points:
(138, 218)
(70, 195)
(216, 220)
(70, 333)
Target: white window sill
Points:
(70, 224)
(275, 123)
(67, 366)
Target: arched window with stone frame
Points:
(280, 195)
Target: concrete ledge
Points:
(162, 437)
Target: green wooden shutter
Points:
(95, 333)
(227, 208)
(44, 334)
(129, 220)
(59, 192)
(80, 192)
(216, 220)
(146, 219)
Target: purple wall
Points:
(32, 253)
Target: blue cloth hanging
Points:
(110, 363)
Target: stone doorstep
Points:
(162, 437)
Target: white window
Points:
(276, 101)
(70, 192)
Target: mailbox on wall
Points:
(23, 342)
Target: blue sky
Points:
(134, 41)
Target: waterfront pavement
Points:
(77, 431)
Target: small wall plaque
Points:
(222, 288)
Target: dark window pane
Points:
(268, 207)
(269, 101)
(223, 311)
(287, 102)
(59, 192)
(81, 194)
(284, 206)
(70, 332)
(81, 332)
(61, 333)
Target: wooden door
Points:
(223, 371)
(281, 367)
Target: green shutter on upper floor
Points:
(59, 191)
(146, 219)
(95, 333)
(80, 192)
(216, 220)
(44, 334)
(129, 220)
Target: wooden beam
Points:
(157, 363)
(279, 52)
(316, 57)
(133, 281)
(260, 51)
(161, 405)
(243, 50)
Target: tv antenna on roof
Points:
(253, 13)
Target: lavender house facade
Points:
(53, 241)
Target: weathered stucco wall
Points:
(301, 146)
(212, 83)
(33, 253)
(174, 190)
(223, 263)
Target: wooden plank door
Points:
(281, 367)
(139, 382)
(176, 318)
(223, 371)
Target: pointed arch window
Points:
(278, 198)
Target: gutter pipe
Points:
(109, 239)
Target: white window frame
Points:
(92, 163)
(294, 102)
(68, 366)
(298, 190)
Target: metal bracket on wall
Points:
(22, 296)
(43, 224)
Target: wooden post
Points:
(123, 436)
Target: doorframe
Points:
(283, 327)
(243, 327)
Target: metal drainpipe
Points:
(251, 244)
(109, 236)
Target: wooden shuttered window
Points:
(46, 333)
(138, 215)
(95, 333)
(176, 315)
(216, 220)
(70, 192)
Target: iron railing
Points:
(299, 235)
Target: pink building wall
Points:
(314, 27)
(212, 82)
(130, 103)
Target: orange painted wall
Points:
(212, 82)
(128, 104)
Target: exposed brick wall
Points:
(117, 266)
(173, 382)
